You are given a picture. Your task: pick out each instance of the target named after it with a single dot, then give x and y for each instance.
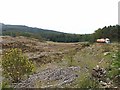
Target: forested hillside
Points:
(111, 32)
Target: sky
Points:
(70, 16)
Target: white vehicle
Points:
(107, 40)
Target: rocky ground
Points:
(51, 78)
(60, 64)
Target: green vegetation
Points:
(43, 34)
(26, 34)
(16, 65)
(90, 56)
(87, 82)
(111, 32)
(114, 70)
(85, 54)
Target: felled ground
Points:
(61, 64)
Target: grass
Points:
(88, 58)
(85, 55)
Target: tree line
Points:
(111, 32)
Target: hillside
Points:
(60, 65)
(51, 35)
(111, 32)
(23, 28)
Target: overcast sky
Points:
(71, 16)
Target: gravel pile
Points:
(60, 75)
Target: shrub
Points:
(88, 82)
(85, 44)
(16, 65)
(114, 72)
